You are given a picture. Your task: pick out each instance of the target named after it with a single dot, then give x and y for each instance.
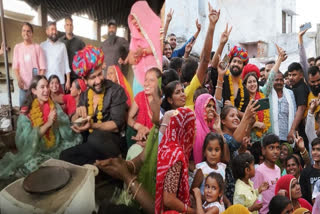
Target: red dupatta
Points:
(176, 145)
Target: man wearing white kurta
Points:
(56, 56)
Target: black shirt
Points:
(301, 92)
(226, 90)
(114, 104)
(309, 177)
(73, 45)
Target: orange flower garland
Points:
(232, 91)
(36, 117)
(90, 107)
(266, 117)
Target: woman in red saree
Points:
(172, 186)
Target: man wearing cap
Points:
(103, 108)
(114, 47)
(72, 42)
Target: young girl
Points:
(243, 169)
(212, 153)
(213, 192)
(56, 93)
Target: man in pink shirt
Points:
(268, 171)
(28, 60)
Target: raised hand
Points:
(189, 46)
(225, 35)
(52, 116)
(299, 142)
(198, 25)
(169, 15)
(217, 123)
(222, 67)
(281, 53)
(213, 15)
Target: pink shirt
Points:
(263, 174)
(27, 57)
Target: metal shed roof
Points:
(97, 10)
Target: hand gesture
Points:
(263, 187)
(169, 15)
(52, 116)
(141, 134)
(217, 123)
(251, 110)
(281, 53)
(245, 143)
(222, 68)
(188, 47)
(259, 125)
(116, 167)
(227, 103)
(213, 15)
(198, 25)
(225, 35)
(82, 128)
(299, 142)
(313, 105)
(138, 52)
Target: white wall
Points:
(252, 20)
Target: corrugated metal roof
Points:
(97, 10)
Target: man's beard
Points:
(112, 37)
(53, 38)
(95, 90)
(315, 90)
(235, 73)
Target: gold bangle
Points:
(132, 180)
(219, 87)
(302, 153)
(134, 167)
(135, 194)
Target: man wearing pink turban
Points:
(102, 105)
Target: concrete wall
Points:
(252, 20)
(13, 36)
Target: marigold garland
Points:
(90, 107)
(36, 117)
(265, 117)
(232, 92)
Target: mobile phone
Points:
(305, 26)
(225, 61)
(264, 104)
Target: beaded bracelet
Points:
(219, 87)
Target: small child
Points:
(268, 171)
(213, 192)
(243, 169)
(212, 153)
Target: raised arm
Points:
(282, 56)
(166, 25)
(198, 30)
(207, 46)
(223, 40)
(302, 54)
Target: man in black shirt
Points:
(73, 44)
(300, 91)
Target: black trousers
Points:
(100, 145)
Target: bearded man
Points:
(115, 48)
(234, 93)
(56, 56)
(105, 104)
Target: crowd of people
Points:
(208, 135)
